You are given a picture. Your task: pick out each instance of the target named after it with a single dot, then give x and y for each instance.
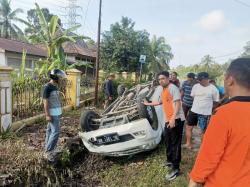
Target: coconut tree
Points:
(160, 54)
(8, 20)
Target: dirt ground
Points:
(22, 163)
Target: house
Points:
(75, 53)
(11, 54)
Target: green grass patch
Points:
(146, 169)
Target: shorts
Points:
(194, 119)
(186, 109)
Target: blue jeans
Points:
(52, 133)
(203, 122)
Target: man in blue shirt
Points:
(219, 88)
(186, 89)
(53, 111)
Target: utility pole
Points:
(98, 53)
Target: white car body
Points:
(134, 137)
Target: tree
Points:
(122, 45)
(207, 64)
(53, 36)
(246, 52)
(160, 54)
(8, 20)
(34, 24)
(90, 43)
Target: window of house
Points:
(15, 63)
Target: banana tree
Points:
(53, 36)
(81, 63)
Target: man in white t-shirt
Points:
(206, 96)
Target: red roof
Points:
(18, 46)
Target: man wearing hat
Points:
(205, 96)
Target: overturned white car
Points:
(127, 126)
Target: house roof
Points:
(40, 49)
(73, 48)
(18, 46)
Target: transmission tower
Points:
(71, 15)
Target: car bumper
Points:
(144, 138)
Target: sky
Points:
(193, 28)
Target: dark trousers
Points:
(173, 138)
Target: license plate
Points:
(108, 139)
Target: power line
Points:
(242, 3)
(86, 12)
(229, 54)
(223, 56)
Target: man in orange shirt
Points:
(171, 101)
(224, 157)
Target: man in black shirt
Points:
(109, 90)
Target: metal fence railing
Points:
(87, 87)
(27, 97)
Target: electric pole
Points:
(98, 54)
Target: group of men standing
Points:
(191, 102)
(224, 156)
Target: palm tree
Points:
(160, 53)
(207, 62)
(8, 20)
(246, 52)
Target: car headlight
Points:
(140, 133)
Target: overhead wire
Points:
(243, 3)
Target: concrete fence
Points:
(6, 103)
(125, 75)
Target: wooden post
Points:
(98, 53)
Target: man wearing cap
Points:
(205, 97)
(53, 111)
(224, 157)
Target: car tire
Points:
(121, 89)
(147, 112)
(86, 123)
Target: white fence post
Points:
(6, 98)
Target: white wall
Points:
(2, 58)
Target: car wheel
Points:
(86, 122)
(147, 112)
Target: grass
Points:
(146, 169)
(7, 134)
